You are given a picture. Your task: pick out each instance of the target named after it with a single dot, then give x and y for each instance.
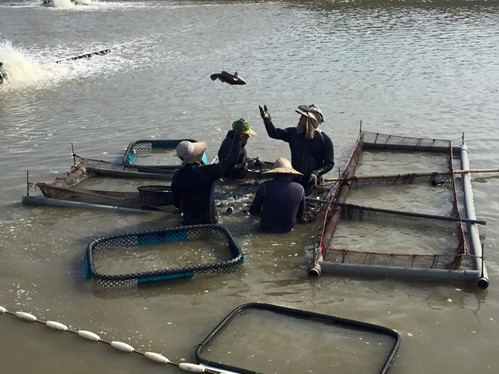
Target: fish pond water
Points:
(413, 68)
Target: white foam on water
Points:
(33, 69)
(23, 70)
(62, 4)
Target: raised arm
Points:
(272, 131)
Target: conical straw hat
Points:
(282, 166)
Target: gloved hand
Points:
(259, 163)
(264, 113)
(239, 127)
(314, 178)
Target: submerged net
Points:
(382, 237)
(372, 140)
(416, 161)
(365, 235)
(75, 175)
(159, 255)
(433, 178)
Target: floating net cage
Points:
(412, 153)
(155, 153)
(374, 140)
(161, 255)
(75, 175)
(265, 338)
(156, 195)
(413, 239)
(381, 237)
(386, 218)
(433, 178)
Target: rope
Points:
(118, 345)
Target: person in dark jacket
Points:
(193, 184)
(238, 169)
(281, 200)
(312, 151)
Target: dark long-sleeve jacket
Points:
(237, 170)
(307, 155)
(280, 202)
(193, 186)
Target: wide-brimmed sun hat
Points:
(190, 152)
(311, 111)
(246, 126)
(282, 166)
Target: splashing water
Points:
(67, 3)
(59, 3)
(23, 70)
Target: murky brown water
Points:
(412, 68)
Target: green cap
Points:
(246, 126)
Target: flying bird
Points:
(232, 79)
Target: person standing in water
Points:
(193, 184)
(312, 151)
(280, 201)
(238, 169)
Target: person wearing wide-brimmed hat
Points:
(238, 169)
(279, 201)
(312, 151)
(193, 183)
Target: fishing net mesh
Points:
(407, 240)
(348, 256)
(361, 247)
(373, 140)
(178, 251)
(147, 146)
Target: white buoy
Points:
(56, 326)
(89, 335)
(193, 368)
(122, 346)
(26, 316)
(3, 310)
(156, 357)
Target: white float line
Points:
(120, 346)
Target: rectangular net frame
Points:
(245, 340)
(146, 146)
(452, 243)
(371, 259)
(168, 239)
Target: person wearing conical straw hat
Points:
(280, 201)
(238, 169)
(193, 184)
(312, 151)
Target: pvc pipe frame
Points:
(467, 276)
(478, 275)
(44, 201)
(482, 280)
